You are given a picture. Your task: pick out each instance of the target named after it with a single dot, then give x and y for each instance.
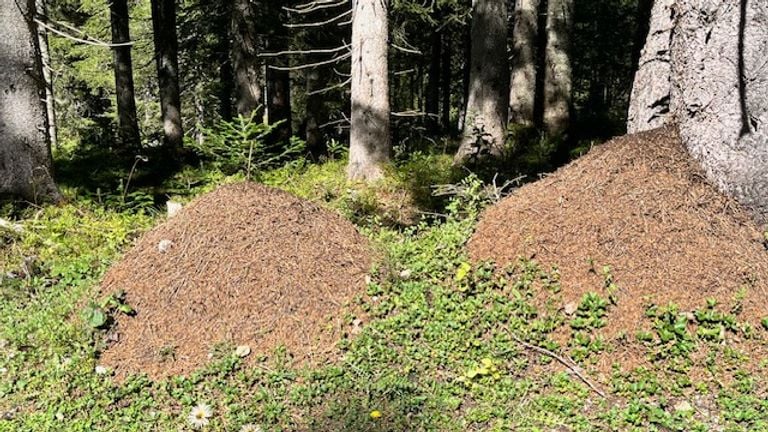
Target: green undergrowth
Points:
(448, 345)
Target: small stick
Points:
(570, 364)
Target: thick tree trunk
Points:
(485, 125)
(432, 102)
(720, 94)
(126, 99)
(45, 59)
(557, 71)
(369, 141)
(649, 103)
(25, 153)
(167, 61)
(247, 65)
(522, 92)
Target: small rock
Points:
(571, 308)
(173, 208)
(357, 326)
(164, 245)
(367, 279)
(100, 370)
(243, 351)
(683, 406)
(405, 274)
(3, 371)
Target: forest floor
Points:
(436, 341)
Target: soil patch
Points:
(639, 205)
(244, 265)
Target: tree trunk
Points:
(315, 113)
(369, 141)
(466, 68)
(522, 92)
(485, 125)
(167, 61)
(432, 102)
(25, 153)
(446, 79)
(649, 103)
(279, 103)
(223, 51)
(278, 81)
(45, 59)
(720, 94)
(126, 100)
(247, 65)
(557, 75)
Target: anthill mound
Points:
(638, 205)
(244, 265)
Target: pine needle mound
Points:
(243, 265)
(638, 205)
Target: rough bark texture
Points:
(25, 155)
(167, 61)
(247, 65)
(649, 103)
(720, 93)
(522, 92)
(369, 141)
(126, 101)
(45, 59)
(558, 71)
(485, 125)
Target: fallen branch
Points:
(10, 226)
(570, 364)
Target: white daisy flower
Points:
(251, 428)
(199, 415)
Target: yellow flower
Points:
(463, 271)
(375, 414)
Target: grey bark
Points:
(485, 125)
(720, 93)
(126, 98)
(247, 66)
(649, 102)
(558, 71)
(369, 141)
(167, 62)
(45, 59)
(522, 91)
(25, 153)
